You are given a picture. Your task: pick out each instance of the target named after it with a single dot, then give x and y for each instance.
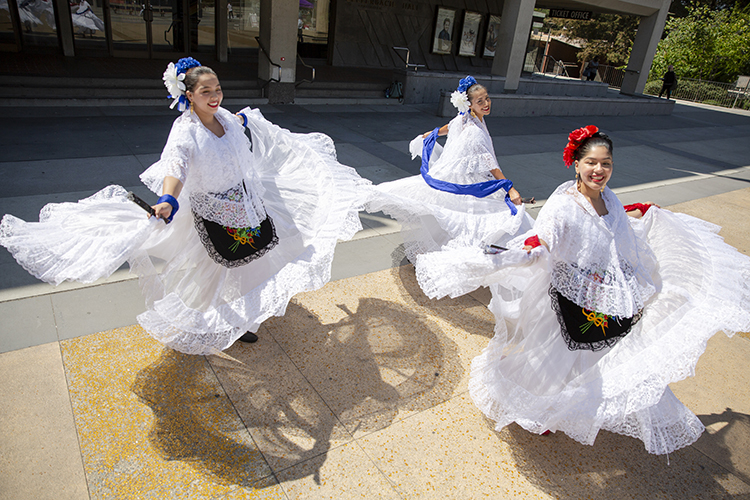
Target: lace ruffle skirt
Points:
(431, 219)
(528, 375)
(195, 305)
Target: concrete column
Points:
(278, 35)
(221, 30)
(512, 40)
(65, 27)
(644, 47)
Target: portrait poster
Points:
(444, 24)
(490, 40)
(470, 34)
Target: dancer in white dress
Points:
(461, 197)
(84, 19)
(257, 223)
(598, 312)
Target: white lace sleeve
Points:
(477, 152)
(174, 160)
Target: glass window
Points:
(38, 23)
(88, 27)
(243, 23)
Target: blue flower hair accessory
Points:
(459, 98)
(173, 80)
(465, 83)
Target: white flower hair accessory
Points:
(173, 80)
(175, 86)
(460, 100)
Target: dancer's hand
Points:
(515, 196)
(162, 210)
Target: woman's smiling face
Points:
(207, 95)
(480, 103)
(594, 169)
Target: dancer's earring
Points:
(191, 107)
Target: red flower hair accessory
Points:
(575, 138)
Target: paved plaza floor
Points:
(360, 390)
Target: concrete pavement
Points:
(360, 390)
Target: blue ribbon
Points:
(479, 189)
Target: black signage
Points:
(581, 15)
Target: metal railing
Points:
(406, 61)
(728, 95)
(559, 68)
(611, 75)
(265, 53)
(312, 78)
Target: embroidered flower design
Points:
(575, 138)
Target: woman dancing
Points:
(250, 225)
(598, 312)
(461, 196)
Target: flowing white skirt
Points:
(527, 374)
(195, 305)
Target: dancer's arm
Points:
(443, 131)
(515, 196)
(172, 186)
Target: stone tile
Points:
(366, 255)
(26, 322)
(406, 352)
(451, 451)
(720, 396)
(40, 455)
(284, 414)
(155, 423)
(93, 309)
(345, 472)
(448, 452)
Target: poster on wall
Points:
(444, 21)
(490, 41)
(470, 34)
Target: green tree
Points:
(609, 36)
(706, 44)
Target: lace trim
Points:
(214, 254)
(602, 288)
(574, 345)
(233, 207)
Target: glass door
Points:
(147, 27)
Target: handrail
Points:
(558, 64)
(406, 61)
(308, 67)
(263, 49)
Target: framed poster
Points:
(490, 40)
(470, 34)
(445, 20)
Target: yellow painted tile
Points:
(345, 472)
(377, 350)
(285, 416)
(154, 423)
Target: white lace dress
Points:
(194, 304)
(685, 281)
(431, 219)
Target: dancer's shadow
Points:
(194, 421)
(618, 467)
(322, 384)
(460, 311)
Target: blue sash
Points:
(479, 189)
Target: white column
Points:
(278, 35)
(644, 47)
(512, 40)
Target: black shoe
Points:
(249, 338)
